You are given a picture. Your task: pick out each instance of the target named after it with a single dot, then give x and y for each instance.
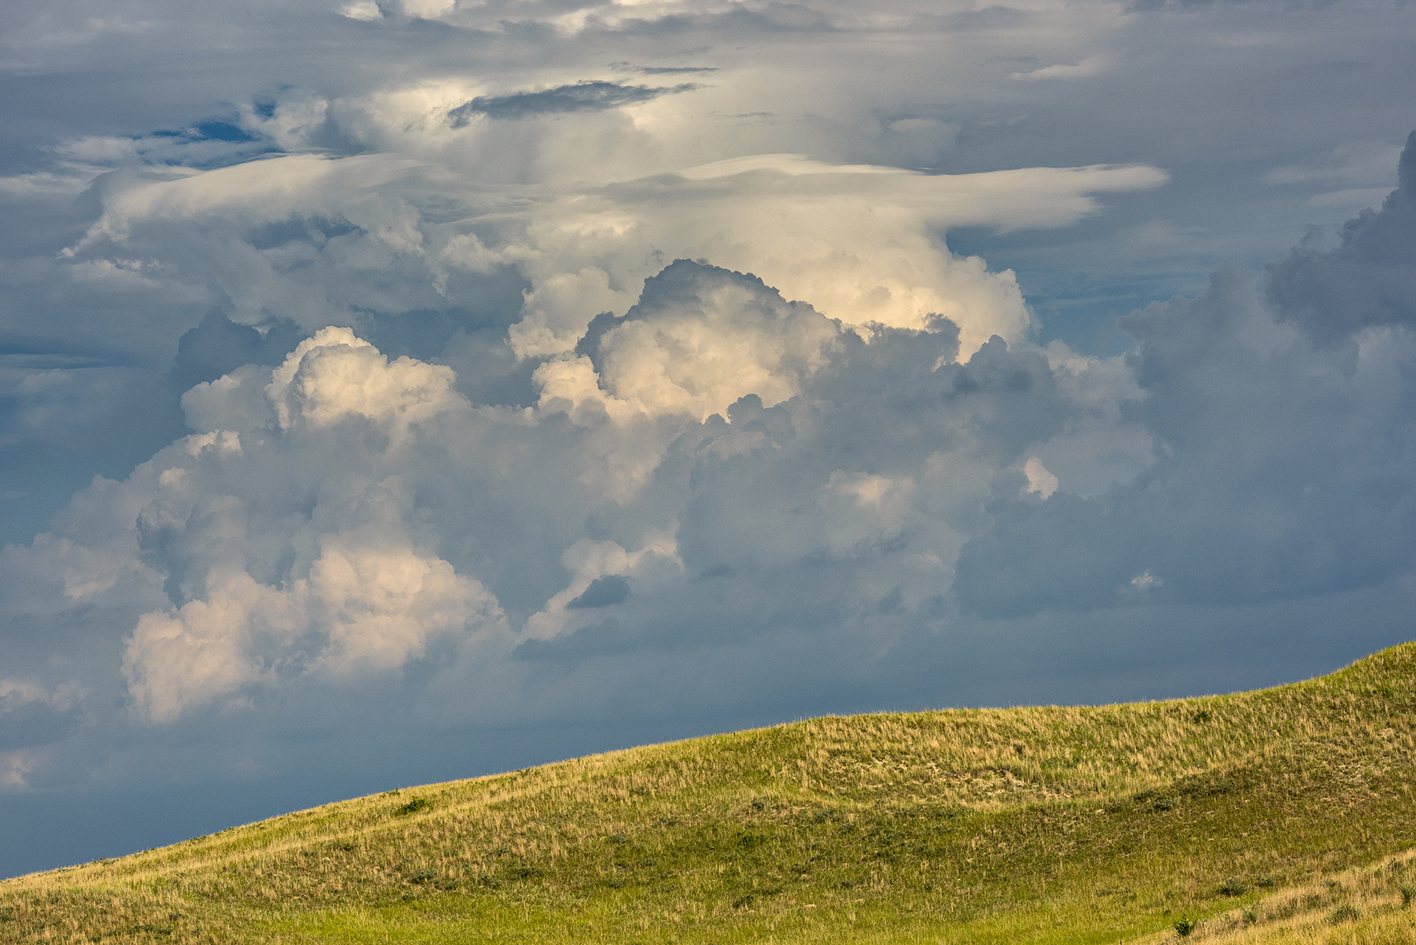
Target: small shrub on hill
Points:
(413, 806)
(1344, 913)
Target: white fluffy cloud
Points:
(370, 603)
(695, 348)
(327, 521)
(342, 514)
(334, 375)
(260, 592)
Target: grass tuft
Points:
(1233, 886)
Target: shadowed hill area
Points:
(1276, 816)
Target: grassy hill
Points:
(1279, 816)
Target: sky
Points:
(406, 390)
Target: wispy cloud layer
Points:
(589, 96)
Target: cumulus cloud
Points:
(315, 527)
(1364, 282)
(720, 435)
(697, 341)
(334, 375)
(1276, 462)
(370, 602)
(722, 450)
(198, 653)
(1040, 480)
(362, 10)
(270, 578)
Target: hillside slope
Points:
(1001, 825)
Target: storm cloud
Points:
(1364, 282)
(403, 391)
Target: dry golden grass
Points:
(1369, 905)
(1002, 825)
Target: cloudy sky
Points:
(411, 389)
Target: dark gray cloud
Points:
(218, 346)
(1285, 470)
(588, 96)
(602, 592)
(1367, 280)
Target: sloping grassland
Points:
(1280, 816)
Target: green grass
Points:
(1003, 825)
